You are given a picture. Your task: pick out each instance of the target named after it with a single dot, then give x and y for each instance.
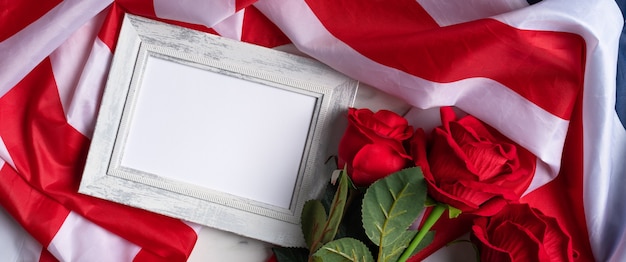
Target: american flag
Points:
(544, 74)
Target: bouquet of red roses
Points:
(394, 175)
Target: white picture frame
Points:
(214, 131)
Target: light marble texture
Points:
(216, 245)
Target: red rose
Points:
(475, 168)
(521, 233)
(417, 149)
(372, 145)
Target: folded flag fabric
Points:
(543, 74)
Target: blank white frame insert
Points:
(215, 130)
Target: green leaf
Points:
(313, 221)
(392, 204)
(337, 207)
(328, 195)
(345, 249)
(291, 254)
(430, 202)
(454, 212)
(318, 233)
(392, 252)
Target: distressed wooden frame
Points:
(142, 42)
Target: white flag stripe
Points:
(202, 12)
(196, 227)
(82, 109)
(612, 206)
(587, 18)
(16, 244)
(544, 135)
(81, 104)
(454, 12)
(231, 27)
(76, 53)
(599, 22)
(52, 29)
(78, 239)
(5, 156)
(596, 21)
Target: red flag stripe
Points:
(241, 4)
(82, 108)
(4, 155)
(476, 101)
(603, 135)
(46, 256)
(138, 7)
(80, 52)
(18, 14)
(562, 197)
(145, 255)
(110, 30)
(92, 80)
(394, 80)
(65, 227)
(456, 12)
(50, 154)
(259, 30)
(552, 64)
(26, 205)
(16, 243)
(543, 134)
(51, 30)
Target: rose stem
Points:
(435, 214)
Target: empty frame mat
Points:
(215, 131)
(218, 131)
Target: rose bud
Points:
(372, 146)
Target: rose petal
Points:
(485, 160)
(524, 216)
(447, 116)
(375, 161)
(466, 194)
(493, 189)
(384, 123)
(351, 142)
(491, 207)
(442, 196)
(519, 242)
(463, 134)
(392, 125)
(481, 131)
(524, 231)
(447, 160)
(488, 252)
(417, 150)
(557, 243)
